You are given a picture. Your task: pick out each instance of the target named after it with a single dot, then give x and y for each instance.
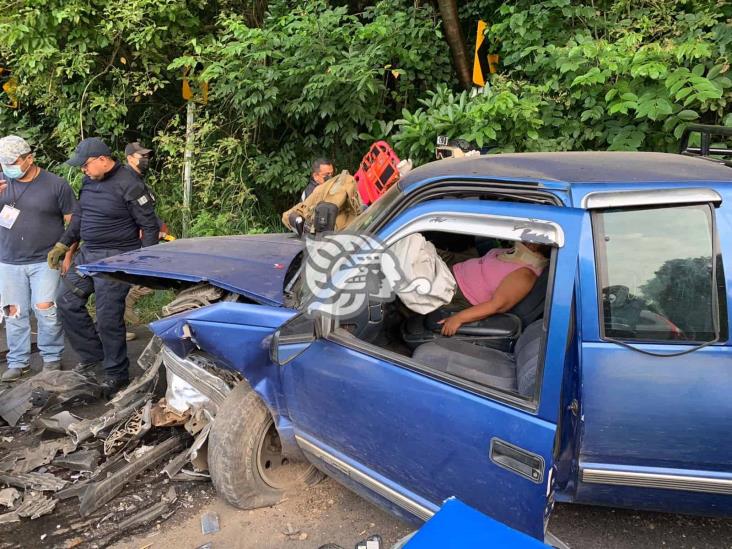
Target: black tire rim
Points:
(277, 470)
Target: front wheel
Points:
(245, 455)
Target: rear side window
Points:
(655, 274)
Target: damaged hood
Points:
(254, 266)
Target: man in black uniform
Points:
(138, 158)
(114, 206)
(322, 170)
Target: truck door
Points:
(655, 359)
(408, 436)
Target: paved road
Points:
(330, 513)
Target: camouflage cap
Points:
(11, 147)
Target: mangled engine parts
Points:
(94, 458)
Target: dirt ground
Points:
(328, 513)
(325, 513)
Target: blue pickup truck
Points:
(613, 388)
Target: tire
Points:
(246, 469)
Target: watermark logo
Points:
(344, 272)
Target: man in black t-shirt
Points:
(34, 204)
(114, 207)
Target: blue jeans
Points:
(23, 287)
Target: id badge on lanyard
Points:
(8, 216)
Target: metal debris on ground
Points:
(43, 454)
(292, 533)
(9, 517)
(208, 545)
(153, 512)
(58, 423)
(82, 460)
(99, 493)
(187, 475)
(8, 461)
(133, 429)
(43, 388)
(8, 497)
(210, 523)
(88, 428)
(34, 505)
(97, 456)
(177, 463)
(44, 482)
(372, 542)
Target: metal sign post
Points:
(192, 94)
(187, 185)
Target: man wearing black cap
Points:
(138, 158)
(114, 206)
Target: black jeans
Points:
(106, 341)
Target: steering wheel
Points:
(616, 296)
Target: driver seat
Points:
(499, 331)
(514, 372)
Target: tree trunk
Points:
(454, 37)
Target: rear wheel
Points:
(245, 454)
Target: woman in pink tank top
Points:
(495, 283)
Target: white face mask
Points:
(522, 254)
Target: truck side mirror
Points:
(292, 339)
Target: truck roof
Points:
(575, 168)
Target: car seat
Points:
(515, 371)
(498, 331)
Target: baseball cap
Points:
(11, 147)
(135, 147)
(86, 149)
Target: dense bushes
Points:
(311, 78)
(620, 75)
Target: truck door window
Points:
(655, 274)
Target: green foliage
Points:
(495, 116)
(304, 79)
(608, 75)
(314, 79)
(91, 64)
(149, 307)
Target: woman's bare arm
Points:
(509, 293)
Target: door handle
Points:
(517, 460)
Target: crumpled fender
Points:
(237, 336)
